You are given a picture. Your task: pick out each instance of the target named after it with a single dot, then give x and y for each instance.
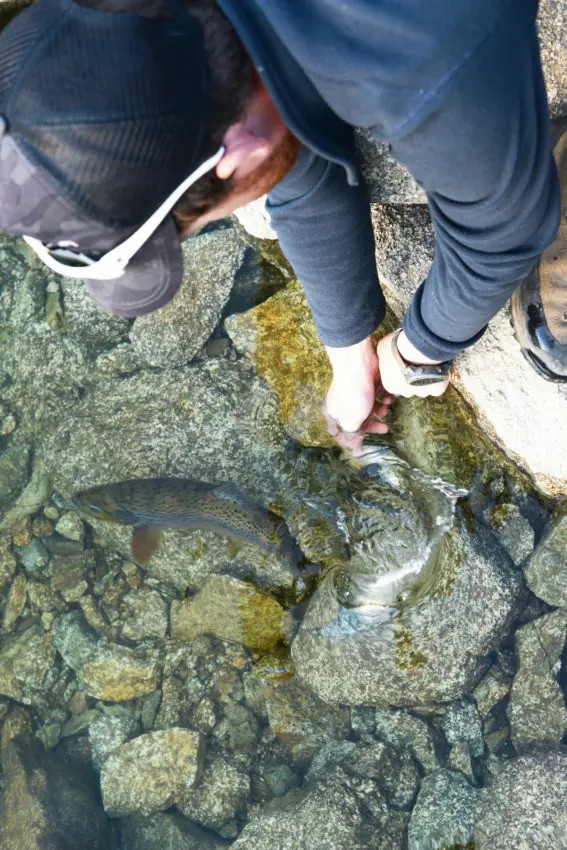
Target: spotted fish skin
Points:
(186, 503)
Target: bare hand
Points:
(355, 403)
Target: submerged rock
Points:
(301, 720)
(524, 807)
(48, 802)
(546, 570)
(433, 650)
(151, 772)
(25, 662)
(218, 799)
(462, 724)
(443, 813)
(174, 334)
(230, 610)
(310, 819)
(537, 710)
(165, 832)
(402, 729)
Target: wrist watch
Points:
(419, 375)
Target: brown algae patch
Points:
(407, 657)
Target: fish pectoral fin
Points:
(145, 541)
(235, 545)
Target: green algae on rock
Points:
(231, 610)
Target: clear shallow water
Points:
(212, 697)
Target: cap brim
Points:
(150, 280)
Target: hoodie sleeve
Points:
(325, 231)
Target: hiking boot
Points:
(539, 306)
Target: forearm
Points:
(326, 234)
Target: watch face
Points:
(426, 376)
(426, 380)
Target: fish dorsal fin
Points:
(145, 541)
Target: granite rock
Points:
(431, 652)
(151, 772)
(537, 710)
(219, 798)
(173, 335)
(443, 813)
(524, 807)
(546, 569)
(165, 831)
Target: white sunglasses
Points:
(67, 260)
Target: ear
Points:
(245, 152)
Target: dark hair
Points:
(232, 81)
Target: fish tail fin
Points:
(145, 541)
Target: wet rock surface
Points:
(149, 672)
(443, 814)
(173, 335)
(537, 710)
(152, 772)
(478, 596)
(524, 807)
(48, 803)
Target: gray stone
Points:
(388, 181)
(546, 570)
(459, 759)
(514, 533)
(402, 729)
(280, 779)
(143, 614)
(443, 813)
(524, 807)
(552, 27)
(110, 729)
(70, 525)
(238, 730)
(26, 660)
(151, 772)
(324, 816)
(166, 832)
(87, 326)
(431, 652)
(393, 769)
(14, 462)
(392, 834)
(301, 720)
(511, 402)
(219, 798)
(48, 802)
(330, 755)
(463, 724)
(492, 688)
(74, 640)
(537, 711)
(173, 335)
(34, 557)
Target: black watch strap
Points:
(420, 375)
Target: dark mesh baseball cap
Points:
(102, 116)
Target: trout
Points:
(150, 504)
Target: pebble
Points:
(71, 526)
(15, 602)
(34, 556)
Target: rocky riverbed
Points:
(213, 698)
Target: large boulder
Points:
(433, 651)
(511, 401)
(524, 808)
